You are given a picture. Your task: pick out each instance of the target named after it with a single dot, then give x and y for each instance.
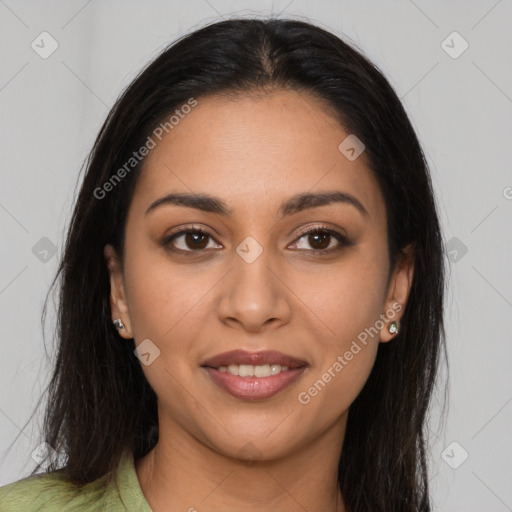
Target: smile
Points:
(254, 375)
(251, 387)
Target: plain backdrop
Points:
(459, 100)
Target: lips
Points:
(253, 358)
(252, 387)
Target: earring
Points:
(119, 325)
(393, 327)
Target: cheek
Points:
(349, 301)
(344, 301)
(164, 300)
(167, 306)
(328, 393)
(170, 305)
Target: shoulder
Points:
(49, 491)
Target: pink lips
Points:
(254, 388)
(254, 358)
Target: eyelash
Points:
(342, 239)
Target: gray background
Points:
(461, 108)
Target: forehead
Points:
(254, 151)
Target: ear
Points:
(118, 303)
(398, 292)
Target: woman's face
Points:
(256, 281)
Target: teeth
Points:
(249, 370)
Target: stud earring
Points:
(393, 327)
(119, 325)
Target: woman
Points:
(251, 307)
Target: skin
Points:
(253, 153)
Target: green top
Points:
(50, 492)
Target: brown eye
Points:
(189, 240)
(321, 240)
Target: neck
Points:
(182, 473)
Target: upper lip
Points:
(253, 358)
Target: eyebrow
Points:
(294, 204)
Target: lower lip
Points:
(254, 388)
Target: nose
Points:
(254, 295)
